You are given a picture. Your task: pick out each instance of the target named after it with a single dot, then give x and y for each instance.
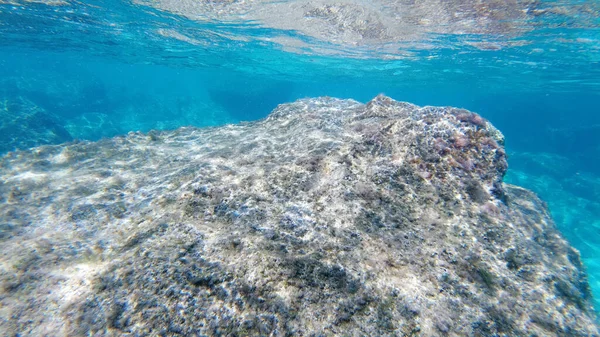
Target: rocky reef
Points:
(23, 124)
(329, 217)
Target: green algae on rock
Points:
(329, 217)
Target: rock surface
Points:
(329, 217)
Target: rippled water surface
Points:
(87, 70)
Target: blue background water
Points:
(86, 72)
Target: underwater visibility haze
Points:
(111, 108)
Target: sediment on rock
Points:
(329, 217)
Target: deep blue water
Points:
(86, 71)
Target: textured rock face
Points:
(329, 217)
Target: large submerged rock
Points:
(23, 124)
(329, 217)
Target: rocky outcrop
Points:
(23, 124)
(329, 217)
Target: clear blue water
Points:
(71, 70)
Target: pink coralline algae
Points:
(460, 141)
(469, 117)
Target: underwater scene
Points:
(299, 168)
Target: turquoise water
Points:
(71, 70)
